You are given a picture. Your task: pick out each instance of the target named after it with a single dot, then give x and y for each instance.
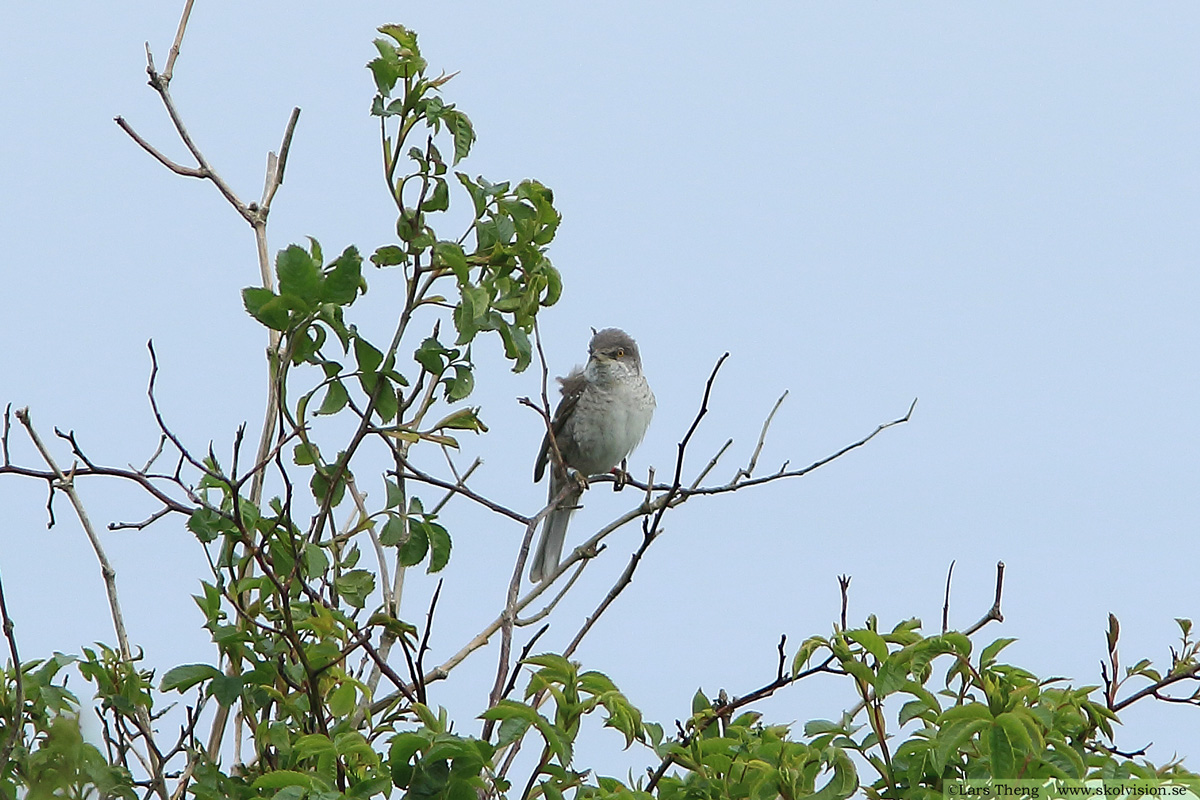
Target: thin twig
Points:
(66, 483)
(174, 53)
(650, 528)
(454, 488)
(424, 647)
(1154, 689)
(4, 433)
(277, 164)
(723, 710)
(844, 585)
(762, 437)
(993, 612)
(137, 526)
(16, 726)
(178, 169)
(489, 724)
(712, 463)
(684, 494)
(162, 440)
(459, 481)
(946, 604)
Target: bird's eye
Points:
(620, 352)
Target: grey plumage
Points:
(603, 415)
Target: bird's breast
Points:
(609, 424)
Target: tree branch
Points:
(993, 613)
(16, 726)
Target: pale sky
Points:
(991, 207)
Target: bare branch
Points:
(4, 433)
(277, 164)
(762, 437)
(844, 586)
(178, 169)
(724, 708)
(732, 486)
(16, 725)
(66, 482)
(711, 465)
(946, 604)
(412, 472)
(458, 481)
(154, 456)
(174, 53)
(993, 612)
(137, 526)
(385, 581)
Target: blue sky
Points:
(990, 207)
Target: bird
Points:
(603, 415)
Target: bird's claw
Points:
(622, 476)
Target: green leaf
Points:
(553, 286)
(319, 484)
(439, 547)
(871, 641)
(403, 747)
(478, 195)
(891, 677)
(1004, 753)
(389, 256)
(412, 551)
(336, 398)
(305, 454)
(952, 737)
(911, 710)
(343, 280)
(464, 133)
(298, 275)
(431, 355)
(393, 531)
(394, 495)
(186, 676)
(342, 700)
(516, 346)
(988, 656)
(367, 356)
(226, 689)
(280, 778)
(960, 643)
(461, 385)
(315, 560)
(208, 524)
(450, 254)
(439, 200)
(314, 744)
(859, 670)
(816, 727)
(354, 586)
(387, 402)
(967, 711)
(266, 307)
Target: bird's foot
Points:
(622, 476)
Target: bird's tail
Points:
(554, 533)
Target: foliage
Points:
(291, 602)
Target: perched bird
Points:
(604, 413)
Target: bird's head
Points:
(613, 353)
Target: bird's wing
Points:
(572, 387)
